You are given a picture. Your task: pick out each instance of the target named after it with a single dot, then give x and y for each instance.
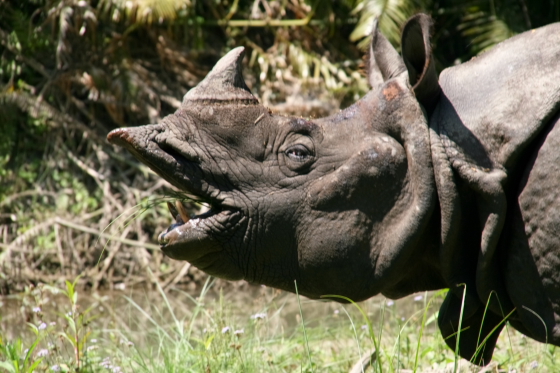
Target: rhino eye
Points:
(298, 153)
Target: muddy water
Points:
(133, 312)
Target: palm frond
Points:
(391, 15)
(145, 11)
(484, 30)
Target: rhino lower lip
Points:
(193, 231)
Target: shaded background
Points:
(71, 71)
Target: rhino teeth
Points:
(182, 211)
(172, 210)
(178, 211)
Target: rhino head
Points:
(338, 204)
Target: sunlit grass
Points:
(258, 330)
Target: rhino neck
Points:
(423, 272)
(472, 203)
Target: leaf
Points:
(70, 291)
(146, 11)
(30, 351)
(484, 31)
(432, 318)
(9, 367)
(33, 328)
(70, 339)
(208, 341)
(391, 15)
(35, 365)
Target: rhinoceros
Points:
(422, 184)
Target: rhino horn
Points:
(224, 84)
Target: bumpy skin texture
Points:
(377, 199)
(492, 118)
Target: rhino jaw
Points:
(185, 240)
(198, 239)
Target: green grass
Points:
(249, 330)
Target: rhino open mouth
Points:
(188, 237)
(190, 232)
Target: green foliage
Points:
(390, 14)
(488, 23)
(63, 346)
(250, 331)
(146, 11)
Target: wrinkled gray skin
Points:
(420, 185)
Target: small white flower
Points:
(126, 342)
(50, 345)
(91, 348)
(42, 353)
(106, 363)
(534, 364)
(117, 370)
(239, 331)
(418, 298)
(336, 312)
(42, 326)
(93, 340)
(258, 316)
(226, 329)
(390, 303)
(36, 309)
(55, 368)
(52, 323)
(364, 327)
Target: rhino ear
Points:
(224, 83)
(417, 56)
(383, 60)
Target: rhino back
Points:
(496, 104)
